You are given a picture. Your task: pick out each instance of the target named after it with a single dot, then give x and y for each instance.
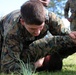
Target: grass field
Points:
(69, 68)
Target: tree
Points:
(57, 6)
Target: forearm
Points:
(56, 25)
(9, 63)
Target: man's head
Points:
(33, 17)
(44, 2)
(52, 62)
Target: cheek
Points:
(28, 30)
(31, 31)
(42, 28)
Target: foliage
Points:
(57, 6)
(26, 69)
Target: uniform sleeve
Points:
(61, 44)
(66, 9)
(11, 51)
(56, 25)
(11, 43)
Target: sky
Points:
(7, 6)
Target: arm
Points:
(46, 45)
(56, 25)
(11, 45)
(10, 53)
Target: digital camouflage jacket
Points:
(17, 40)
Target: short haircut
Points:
(33, 12)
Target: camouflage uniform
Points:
(16, 43)
(70, 5)
(1, 37)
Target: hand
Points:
(39, 63)
(73, 36)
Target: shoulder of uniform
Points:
(12, 16)
(52, 16)
(11, 21)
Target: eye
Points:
(33, 29)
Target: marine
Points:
(70, 6)
(20, 32)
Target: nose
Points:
(37, 31)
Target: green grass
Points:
(69, 68)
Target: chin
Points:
(35, 34)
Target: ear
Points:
(22, 21)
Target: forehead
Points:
(35, 26)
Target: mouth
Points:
(35, 34)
